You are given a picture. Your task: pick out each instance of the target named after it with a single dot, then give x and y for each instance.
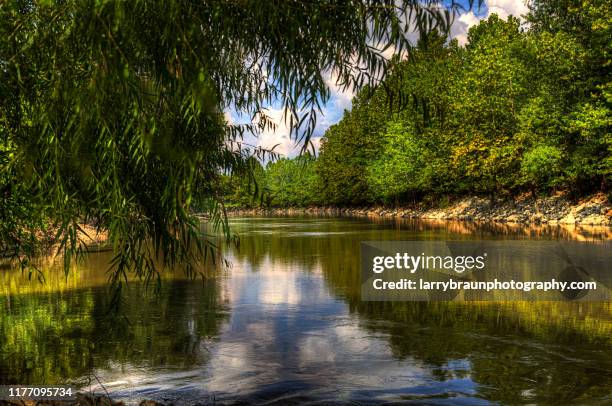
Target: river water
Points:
(284, 324)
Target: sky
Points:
(340, 101)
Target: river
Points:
(284, 324)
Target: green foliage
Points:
(573, 63)
(292, 182)
(512, 110)
(282, 183)
(492, 86)
(21, 223)
(402, 166)
(541, 165)
(349, 147)
(111, 112)
(244, 189)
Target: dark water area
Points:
(285, 324)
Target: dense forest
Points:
(521, 107)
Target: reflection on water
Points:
(286, 324)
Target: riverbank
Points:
(594, 210)
(80, 400)
(87, 234)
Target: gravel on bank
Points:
(593, 210)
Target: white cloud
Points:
(339, 100)
(279, 137)
(462, 25)
(339, 96)
(316, 142)
(503, 8)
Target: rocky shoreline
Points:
(594, 210)
(81, 399)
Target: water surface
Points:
(285, 324)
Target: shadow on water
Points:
(286, 324)
(54, 338)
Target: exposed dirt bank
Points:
(594, 210)
(91, 236)
(88, 235)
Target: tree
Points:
(292, 182)
(112, 111)
(348, 147)
(540, 166)
(402, 168)
(574, 62)
(413, 160)
(491, 89)
(246, 189)
(513, 110)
